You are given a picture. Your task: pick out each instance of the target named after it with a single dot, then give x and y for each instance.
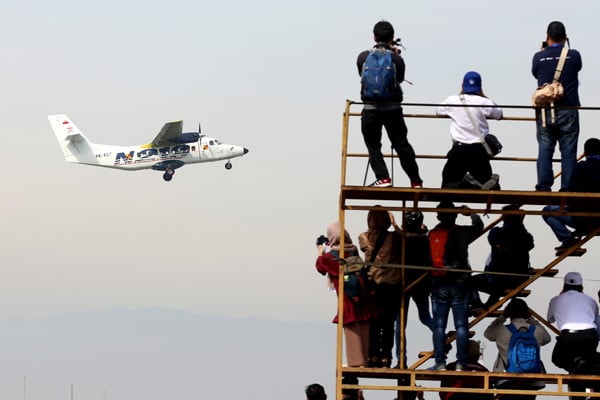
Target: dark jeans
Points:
(444, 297)
(372, 122)
(565, 132)
(463, 158)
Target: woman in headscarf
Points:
(382, 247)
(356, 314)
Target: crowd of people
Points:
(435, 263)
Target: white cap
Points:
(573, 278)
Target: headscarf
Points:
(333, 235)
(378, 221)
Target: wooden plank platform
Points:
(426, 199)
(420, 380)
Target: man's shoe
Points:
(459, 367)
(576, 253)
(492, 183)
(416, 185)
(567, 243)
(437, 367)
(382, 183)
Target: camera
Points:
(544, 44)
(398, 43)
(322, 240)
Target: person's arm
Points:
(550, 316)
(491, 332)
(442, 108)
(541, 334)
(400, 67)
(327, 264)
(394, 224)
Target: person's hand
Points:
(466, 211)
(392, 218)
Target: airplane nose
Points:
(246, 150)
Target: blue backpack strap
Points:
(512, 328)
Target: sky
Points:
(268, 75)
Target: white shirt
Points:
(461, 128)
(573, 310)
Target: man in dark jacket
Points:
(510, 246)
(451, 290)
(387, 112)
(564, 127)
(586, 178)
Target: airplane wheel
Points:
(167, 177)
(228, 165)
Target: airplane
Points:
(171, 149)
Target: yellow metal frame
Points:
(418, 198)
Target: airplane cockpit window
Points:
(212, 142)
(217, 141)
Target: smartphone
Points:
(544, 44)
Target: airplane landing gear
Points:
(168, 175)
(228, 165)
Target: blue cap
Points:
(472, 82)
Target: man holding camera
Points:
(382, 106)
(562, 124)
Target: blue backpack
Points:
(523, 350)
(378, 78)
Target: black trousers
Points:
(570, 346)
(372, 122)
(463, 158)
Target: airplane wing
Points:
(171, 130)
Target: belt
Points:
(578, 331)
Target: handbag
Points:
(493, 143)
(548, 93)
(490, 142)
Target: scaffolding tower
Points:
(415, 378)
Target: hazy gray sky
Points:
(269, 75)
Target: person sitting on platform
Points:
(585, 178)
(576, 315)
(466, 381)
(468, 164)
(518, 313)
(510, 245)
(357, 315)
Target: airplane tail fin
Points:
(75, 146)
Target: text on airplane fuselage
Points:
(178, 151)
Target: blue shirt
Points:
(544, 65)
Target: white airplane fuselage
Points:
(206, 149)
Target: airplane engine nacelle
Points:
(187, 137)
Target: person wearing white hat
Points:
(576, 316)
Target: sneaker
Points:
(437, 367)
(567, 243)
(416, 185)
(459, 367)
(383, 183)
(576, 253)
(492, 183)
